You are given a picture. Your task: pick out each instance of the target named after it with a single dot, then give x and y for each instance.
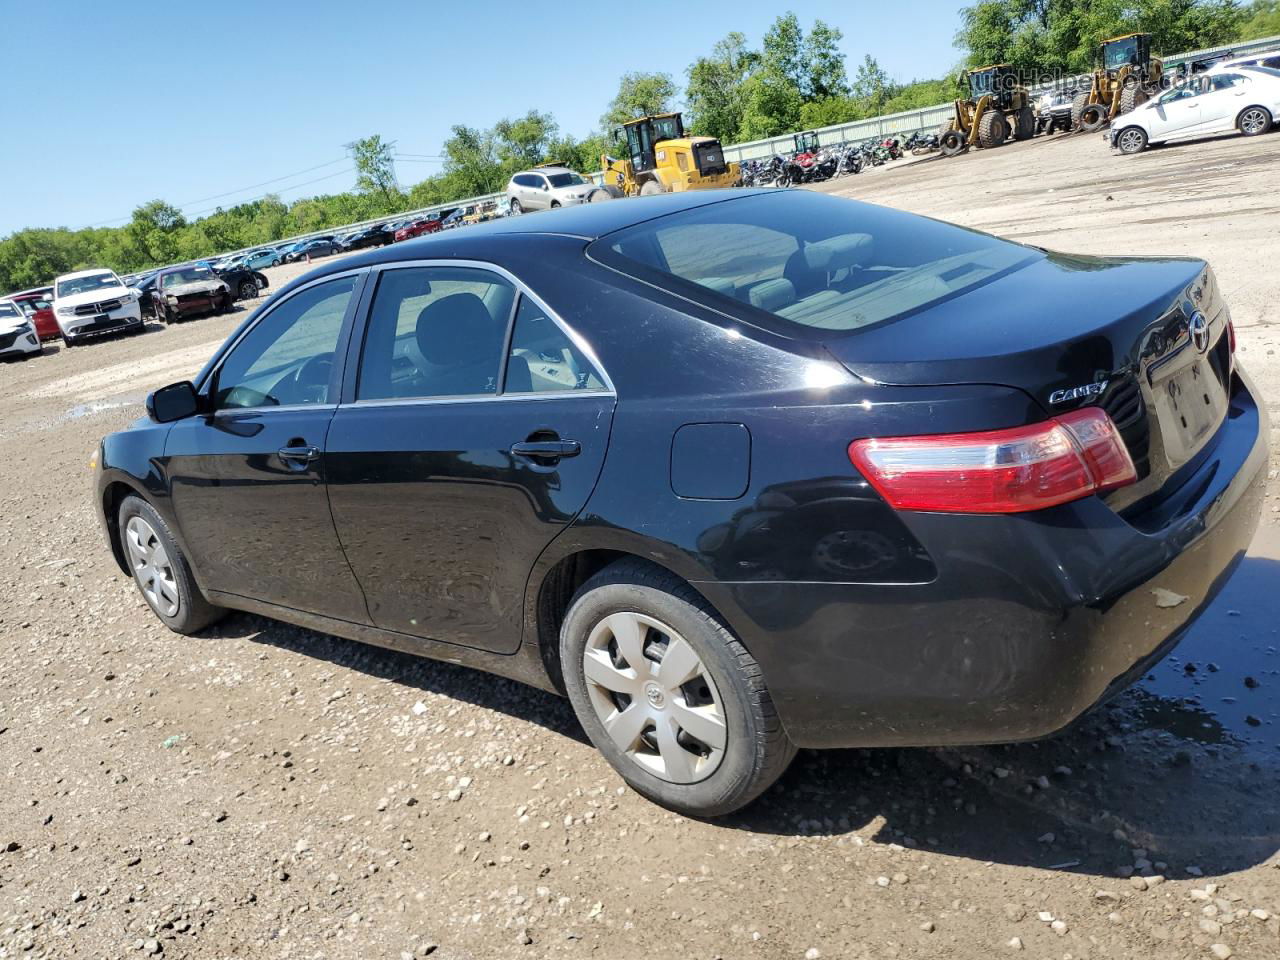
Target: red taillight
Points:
(998, 471)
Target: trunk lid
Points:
(1145, 339)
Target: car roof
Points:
(1229, 66)
(545, 170)
(1242, 61)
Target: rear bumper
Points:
(1031, 620)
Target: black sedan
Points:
(245, 284)
(368, 237)
(315, 249)
(739, 472)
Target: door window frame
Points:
(208, 376)
(359, 330)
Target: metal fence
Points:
(923, 118)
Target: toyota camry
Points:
(737, 472)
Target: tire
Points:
(722, 696)
(516, 209)
(1132, 96)
(651, 188)
(67, 342)
(1094, 118)
(555, 205)
(160, 570)
(227, 305)
(248, 290)
(944, 130)
(614, 193)
(164, 314)
(952, 142)
(993, 129)
(275, 263)
(1131, 140)
(1254, 121)
(1077, 108)
(1024, 127)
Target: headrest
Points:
(456, 330)
(836, 253)
(772, 295)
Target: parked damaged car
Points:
(184, 292)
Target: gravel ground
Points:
(263, 791)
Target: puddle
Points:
(1222, 683)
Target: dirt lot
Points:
(263, 791)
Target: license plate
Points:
(1190, 404)
(102, 318)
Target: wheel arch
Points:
(553, 587)
(114, 493)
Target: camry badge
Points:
(1079, 393)
(1199, 327)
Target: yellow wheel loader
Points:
(661, 159)
(998, 107)
(1127, 77)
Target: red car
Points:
(418, 228)
(38, 305)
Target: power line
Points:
(216, 196)
(254, 186)
(294, 186)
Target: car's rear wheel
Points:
(1132, 140)
(1255, 120)
(161, 571)
(670, 697)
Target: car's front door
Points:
(1177, 113)
(449, 469)
(247, 476)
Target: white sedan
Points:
(1223, 99)
(18, 337)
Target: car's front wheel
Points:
(670, 697)
(1132, 140)
(161, 571)
(68, 342)
(248, 289)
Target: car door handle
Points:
(298, 455)
(546, 449)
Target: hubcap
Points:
(151, 566)
(655, 698)
(1130, 141)
(1253, 121)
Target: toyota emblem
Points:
(1199, 327)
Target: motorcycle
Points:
(892, 148)
(850, 159)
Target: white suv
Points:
(547, 188)
(94, 302)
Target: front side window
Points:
(435, 332)
(287, 357)
(808, 262)
(543, 358)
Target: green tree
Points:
(471, 164)
(828, 112)
(523, 142)
(771, 104)
(825, 76)
(784, 50)
(375, 167)
(714, 91)
(639, 94)
(1262, 19)
(153, 231)
(872, 86)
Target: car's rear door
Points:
(247, 477)
(472, 433)
(1221, 103)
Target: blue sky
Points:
(109, 105)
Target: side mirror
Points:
(177, 401)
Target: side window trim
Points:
(208, 376)
(358, 328)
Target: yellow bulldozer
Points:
(1127, 76)
(661, 159)
(998, 107)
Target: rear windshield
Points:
(810, 262)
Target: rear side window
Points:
(435, 332)
(805, 263)
(543, 359)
